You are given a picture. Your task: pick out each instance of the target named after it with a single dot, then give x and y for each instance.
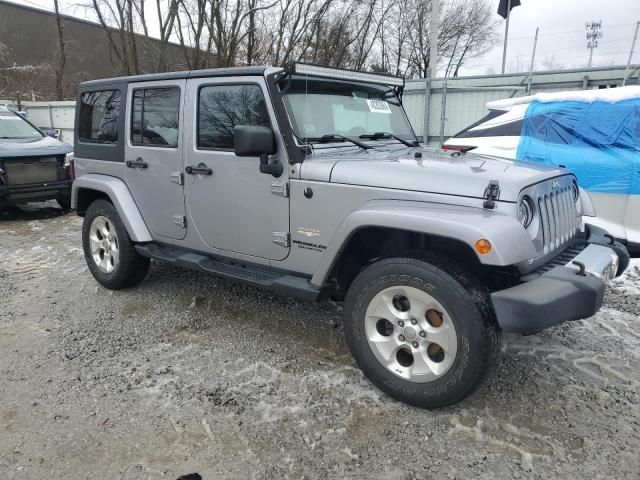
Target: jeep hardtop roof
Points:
(294, 68)
(209, 72)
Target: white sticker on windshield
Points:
(378, 106)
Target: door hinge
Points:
(280, 188)
(281, 238)
(177, 177)
(180, 220)
(491, 194)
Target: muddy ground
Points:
(188, 373)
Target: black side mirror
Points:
(257, 141)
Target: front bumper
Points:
(35, 192)
(570, 292)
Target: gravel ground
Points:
(189, 373)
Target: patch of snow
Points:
(609, 95)
(629, 281)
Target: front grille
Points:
(30, 170)
(559, 220)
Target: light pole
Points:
(506, 36)
(432, 69)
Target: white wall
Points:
(50, 115)
(466, 96)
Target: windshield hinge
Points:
(180, 220)
(177, 177)
(280, 188)
(281, 238)
(491, 194)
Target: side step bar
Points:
(293, 285)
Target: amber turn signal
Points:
(483, 246)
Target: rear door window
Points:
(155, 116)
(99, 114)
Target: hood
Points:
(41, 147)
(436, 171)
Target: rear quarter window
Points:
(99, 115)
(506, 128)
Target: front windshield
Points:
(14, 127)
(324, 107)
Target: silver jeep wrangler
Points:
(310, 181)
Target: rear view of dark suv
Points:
(33, 166)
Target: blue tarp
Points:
(599, 142)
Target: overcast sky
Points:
(562, 34)
(561, 40)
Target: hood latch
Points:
(491, 193)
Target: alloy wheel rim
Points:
(104, 245)
(411, 334)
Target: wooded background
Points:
(143, 36)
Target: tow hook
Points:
(581, 268)
(612, 241)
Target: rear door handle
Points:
(201, 169)
(137, 164)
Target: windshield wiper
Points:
(378, 135)
(333, 137)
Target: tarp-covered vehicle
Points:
(593, 133)
(33, 166)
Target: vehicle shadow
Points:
(31, 211)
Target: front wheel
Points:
(421, 329)
(108, 249)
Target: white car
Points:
(593, 133)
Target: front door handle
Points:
(139, 163)
(201, 169)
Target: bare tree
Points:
(466, 30)
(385, 35)
(116, 18)
(550, 62)
(62, 55)
(193, 21)
(471, 33)
(166, 14)
(138, 42)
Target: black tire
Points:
(64, 203)
(468, 305)
(132, 268)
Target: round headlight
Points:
(525, 212)
(576, 191)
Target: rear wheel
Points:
(421, 329)
(108, 249)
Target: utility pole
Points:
(533, 57)
(506, 36)
(443, 109)
(432, 68)
(435, 23)
(593, 34)
(633, 45)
